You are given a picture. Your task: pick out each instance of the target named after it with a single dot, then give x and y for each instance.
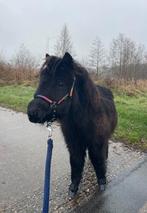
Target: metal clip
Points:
(49, 127)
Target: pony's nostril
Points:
(33, 116)
(36, 116)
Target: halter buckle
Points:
(53, 105)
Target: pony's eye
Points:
(60, 84)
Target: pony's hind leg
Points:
(98, 154)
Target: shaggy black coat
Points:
(87, 119)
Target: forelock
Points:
(51, 63)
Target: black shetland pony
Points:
(85, 111)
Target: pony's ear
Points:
(47, 55)
(47, 58)
(67, 59)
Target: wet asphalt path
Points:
(127, 195)
(22, 157)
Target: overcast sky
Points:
(34, 22)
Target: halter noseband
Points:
(53, 103)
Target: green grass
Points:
(132, 119)
(132, 112)
(16, 96)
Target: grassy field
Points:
(132, 112)
(16, 96)
(132, 120)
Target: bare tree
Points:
(126, 57)
(63, 43)
(116, 54)
(24, 64)
(97, 55)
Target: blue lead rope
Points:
(47, 176)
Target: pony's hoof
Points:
(71, 195)
(72, 191)
(102, 187)
(102, 184)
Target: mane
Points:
(87, 90)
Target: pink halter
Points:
(50, 101)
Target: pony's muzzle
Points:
(36, 112)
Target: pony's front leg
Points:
(77, 159)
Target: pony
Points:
(85, 111)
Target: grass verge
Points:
(132, 120)
(132, 112)
(16, 97)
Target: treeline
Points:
(124, 60)
(128, 60)
(22, 67)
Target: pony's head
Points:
(52, 99)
